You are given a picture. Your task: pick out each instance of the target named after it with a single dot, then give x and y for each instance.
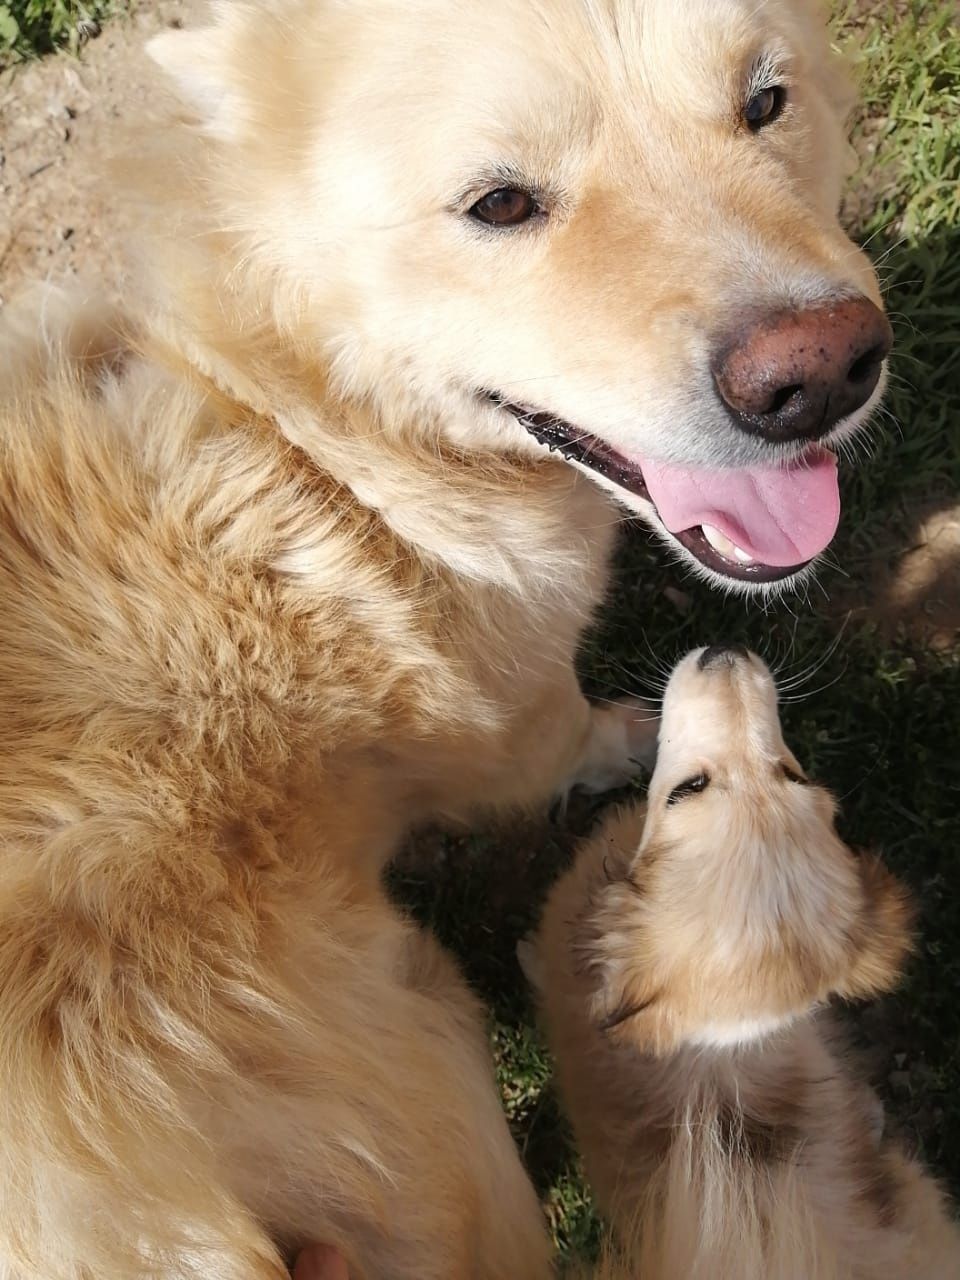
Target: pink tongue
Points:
(778, 515)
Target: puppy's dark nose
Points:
(793, 375)
(721, 653)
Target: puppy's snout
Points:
(793, 375)
(721, 655)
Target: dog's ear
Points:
(196, 62)
(882, 934)
(212, 66)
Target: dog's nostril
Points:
(782, 397)
(793, 375)
(865, 366)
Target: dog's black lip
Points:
(696, 543)
(577, 445)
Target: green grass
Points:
(30, 28)
(881, 724)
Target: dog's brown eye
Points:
(505, 207)
(689, 788)
(764, 107)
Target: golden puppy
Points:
(298, 544)
(682, 962)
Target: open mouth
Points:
(757, 525)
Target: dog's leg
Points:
(621, 742)
(106, 1168)
(330, 1082)
(552, 744)
(566, 741)
(402, 1159)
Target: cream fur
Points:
(276, 584)
(753, 1154)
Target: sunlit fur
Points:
(342, 144)
(682, 964)
(275, 584)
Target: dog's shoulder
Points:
(160, 541)
(180, 595)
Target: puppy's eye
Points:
(505, 207)
(689, 788)
(764, 107)
(792, 776)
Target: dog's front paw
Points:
(622, 743)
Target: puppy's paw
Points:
(622, 743)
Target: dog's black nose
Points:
(717, 653)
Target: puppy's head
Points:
(742, 909)
(606, 228)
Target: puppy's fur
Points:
(276, 582)
(682, 961)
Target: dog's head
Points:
(602, 227)
(742, 909)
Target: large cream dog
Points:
(683, 961)
(292, 557)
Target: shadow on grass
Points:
(912, 582)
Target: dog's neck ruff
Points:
(478, 522)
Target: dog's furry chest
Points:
(190, 617)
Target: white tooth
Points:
(718, 541)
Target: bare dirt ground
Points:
(59, 123)
(62, 118)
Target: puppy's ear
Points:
(626, 1010)
(609, 947)
(882, 935)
